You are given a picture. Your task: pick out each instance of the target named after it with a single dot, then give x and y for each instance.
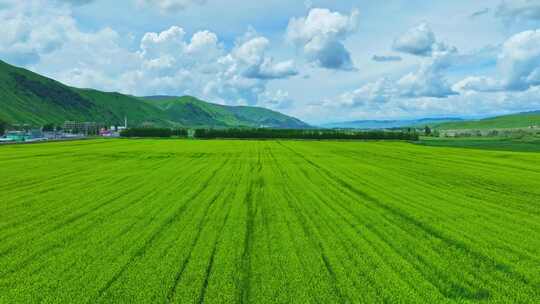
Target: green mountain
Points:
(29, 98)
(520, 120)
(190, 111)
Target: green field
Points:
(519, 120)
(157, 221)
(525, 144)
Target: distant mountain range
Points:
(29, 98)
(389, 124)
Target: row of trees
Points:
(302, 134)
(153, 132)
(3, 127)
(269, 134)
(245, 133)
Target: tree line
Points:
(246, 133)
(154, 132)
(303, 134)
(3, 127)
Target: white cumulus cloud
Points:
(520, 60)
(518, 66)
(420, 41)
(249, 60)
(427, 81)
(31, 29)
(370, 95)
(321, 35)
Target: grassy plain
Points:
(128, 221)
(525, 144)
(519, 120)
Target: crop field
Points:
(180, 221)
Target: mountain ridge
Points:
(29, 98)
(217, 115)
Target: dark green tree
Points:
(3, 127)
(48, 127)
(427, 131)
(302, 134)
(147, 132)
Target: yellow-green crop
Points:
(157, 221)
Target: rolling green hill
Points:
(29, 98)
(520, 120)
(190, 111)
(26, 97)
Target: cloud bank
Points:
(249, 68)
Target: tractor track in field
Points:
(22, 187)
(248, 241)
(372, 246)
(199, 228)
(208, 271)
(140, 252)
(139, 201)
(302, 220)
(436, 186)
(266, 222)
(77, 217)
(209, 268)
(25, 263)
(344, 239)
(355, 228)
(427, 276)
(456, 244)
(109, 241)
(47, 230)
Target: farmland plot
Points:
(173, 221)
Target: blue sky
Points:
(321, 61)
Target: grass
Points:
(520, 120)
(525, 144)
(127, 221)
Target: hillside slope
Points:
(190, 111)
(29, 98)
(520, 120)
(26, 97)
